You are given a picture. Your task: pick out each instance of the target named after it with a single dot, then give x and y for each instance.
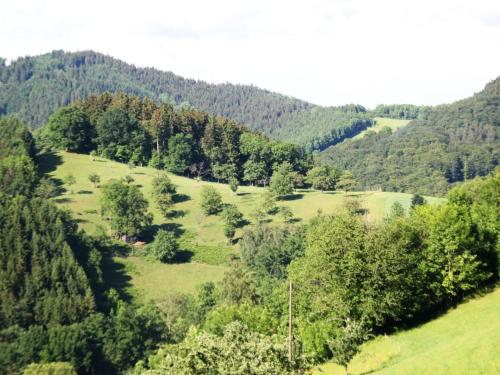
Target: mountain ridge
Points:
(34, 86)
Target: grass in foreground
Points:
(465, 340)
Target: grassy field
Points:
(201, 237)
(382, 122)
(466, 340)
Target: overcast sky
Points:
(329, 52)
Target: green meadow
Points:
(201, 237)
(466, 340)
(383, 122)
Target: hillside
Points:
(445, 145)
(34, 87)
(463, 341)
(201, 236)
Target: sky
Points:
(328, 52)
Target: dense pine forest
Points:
(443, 145)
(34, 87)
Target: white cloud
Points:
(327, 52)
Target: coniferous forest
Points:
(330, 243)
(442, 146)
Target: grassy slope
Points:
(201, 236)
(466, 340)
(382, 122)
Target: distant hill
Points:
(33, 87)
(443, 145)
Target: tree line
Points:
(34, 87)
(185, 141)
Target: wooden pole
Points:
(290, 338)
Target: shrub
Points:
(211, 201)
(164, 247)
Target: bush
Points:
(163, 192)
(164, 247)
(211, 201)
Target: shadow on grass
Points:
(242, 194)
(63, 200)
(48, 162)
(149, 233)
(85, 192)
(176, 214)
(179, 198)
(115, 276)
(292, 197)
(294, 220)
(183, 256)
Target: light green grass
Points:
(153, 281)
(202, 236)
(382, 122)
(466, 340)
(198, 229)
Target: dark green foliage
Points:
(237, 286)
(445, 145)
(16, 139)
(180, 153)
(211, 200)
(417, 200)
(233, 184)
(481, 198)
(322, 177)
(320, 127)
(34, 87)
(232, 219)
(184, 141)
(97, 345)
(282, 180)
(133, 332)
(396, 271)
(17, 175)
(397, 210)
(400, 111)
(163, 192)
(232, 216)
(41, 278)
(164, 247)
(345, 345)
(346, 182)
(268, 250)
(125, 207)
(95, 179)
(120, 137)
(69, 129)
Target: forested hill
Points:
(444, 145)
(34, 87)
